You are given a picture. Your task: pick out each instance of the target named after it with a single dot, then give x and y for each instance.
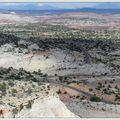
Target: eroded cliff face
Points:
(49, 106)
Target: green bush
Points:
(95, 99)
(11, 83)
(14, 91)
(3, 87)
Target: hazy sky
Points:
(72, 5)
(58, 5)
(66, 5)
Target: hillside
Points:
(64, 65)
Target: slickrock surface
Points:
(47, 107)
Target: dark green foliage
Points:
(11, 83)
(14, 92)
(95, 99)
(3, 87)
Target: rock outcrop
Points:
(46, 107)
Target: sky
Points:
(67, 5)
(56, 5)
(72, 5)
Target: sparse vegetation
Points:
(75, 49)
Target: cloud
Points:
(40, 4)
(12, 4)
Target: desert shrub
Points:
(116, 87)
(45, 75)
(14, 91)
(117, 97)
(56, 75)
(29, 105)
(99, 85)
(39, 72)
(47, 92)
(17, 77)
(11, 83)
(97, 88)
(95, 99)
(3, 87)
(105, 82)
(29, 91)
(83, 98)
(59, 92)
(60, 78)
(34, 79)
(90, 89)
(105, 90)
(21, 69)
(109, 86)
(65, 92)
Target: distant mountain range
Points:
(34, 8)
(43, 6)
(31, 6)
(27, 7)
(108, 5)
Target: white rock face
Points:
(47, 107)
(6, 48)
(96, 69)
(52, 62)
(14, 18)
(33, 47)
